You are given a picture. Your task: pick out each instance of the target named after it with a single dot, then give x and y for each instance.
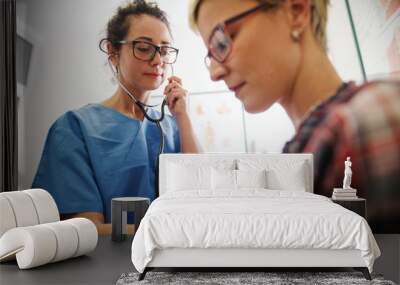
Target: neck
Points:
(316, 81)
(122, 102)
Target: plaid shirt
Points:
(362, 122)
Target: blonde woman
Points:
(274, 51)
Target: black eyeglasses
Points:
(147, 51)
(220, 43)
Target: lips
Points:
(153, 74)
(237, 88)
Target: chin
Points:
(153, 86)
(254, 107)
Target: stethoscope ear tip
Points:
(102, 45)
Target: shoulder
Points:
(375, 95)
(72, 122)
(68, 120)
(367, 113)
(374, 106)
(88, 114)
(365, 127)
(369, 118)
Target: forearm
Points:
(106, 229)
(103, 229)
(189, 143)
(98, 220)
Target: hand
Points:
(176, 96)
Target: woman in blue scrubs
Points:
(109, 149)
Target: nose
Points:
(217, 70)
(156, 59)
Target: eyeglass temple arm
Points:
(244, 14)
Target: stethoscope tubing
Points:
(142, 106)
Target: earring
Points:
(295, 35)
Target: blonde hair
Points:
(319, 17)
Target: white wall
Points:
(67, 71)
(341, 46)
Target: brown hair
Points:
(319, 17)
(118, 25)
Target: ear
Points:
(299, 14)
(112, 54)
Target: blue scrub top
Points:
(95, 153)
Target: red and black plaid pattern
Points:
(362, 122)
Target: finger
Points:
(174, 97)
(172, 86)
(177, 90)
(174, 78)
(177, 98)
(171, 104)
(168, 88)
(176, 84)
(182, 92)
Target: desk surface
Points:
(104, 265)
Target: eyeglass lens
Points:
(220, 46)
(146, 51)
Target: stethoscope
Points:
(142, 106)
